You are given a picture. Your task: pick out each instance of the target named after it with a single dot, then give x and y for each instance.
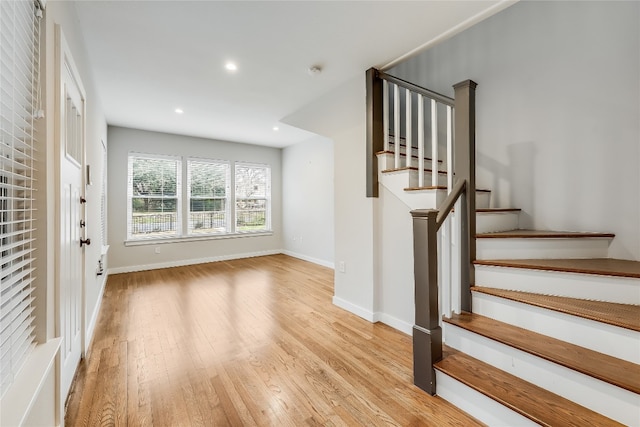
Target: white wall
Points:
(132, 258)
(307, 203)
(340, 116)
(558, 107)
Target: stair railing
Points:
(384, 97)
(457, 240)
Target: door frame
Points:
(64, 59)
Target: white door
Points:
(70, 277)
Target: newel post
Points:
(465, 168)
(375, 128)
(427, 334)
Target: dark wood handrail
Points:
(450, 201)
(416, 88)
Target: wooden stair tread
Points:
(529, 400)
(622, 315)
(540, 234)
(598, 266)
(598, 365)
(440, 187)
(404, 155)
(496, 210)
(413, 168)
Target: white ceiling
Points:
(151, 57)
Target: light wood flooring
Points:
(246, 342)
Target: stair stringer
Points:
(611, 401)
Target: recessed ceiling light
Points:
(230, 66)
(179, 110)
(276, 128)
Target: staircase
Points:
(554, 334)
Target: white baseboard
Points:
(318, 261)
(355, 309)
(183, 262)
(394, 322)
(91, 326)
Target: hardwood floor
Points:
(246, 342)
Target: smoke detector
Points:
(314, 70)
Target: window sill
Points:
(163, 240)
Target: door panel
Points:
(70, 277)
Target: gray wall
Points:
(558, 101)
(307, 205)
(131, 258)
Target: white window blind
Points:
(208, 184)
(19, 74)
(253, 197)
(154, 196)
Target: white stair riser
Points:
(491, 222)
(483, 200)
(387, 161)
(604, 398)
(607, 339)
(525, 248)
(481, 407)
(413, 179)
(622, 290)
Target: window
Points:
(213, 205)
(19, 71)
(253, 197)
(208, 183)
(154, 197)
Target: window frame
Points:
(178, 197)
(227, 197)
(183, 202)
(266, 197)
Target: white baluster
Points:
(396, 125)
(434, 143)
(446, 267)
(456, 279)
(408, 151)
(449, 149)
(385, 113)
(420, 141)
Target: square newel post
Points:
(427, 334)
(465, 168)
(375, 128)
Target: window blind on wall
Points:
(19, 74)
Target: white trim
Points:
(503, 4)
(161, 240)
(184, 262)
(94, 317)
(18, 401)
(394, 322)
(355, 309)
(318, 261)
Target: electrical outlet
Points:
(342, 267)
